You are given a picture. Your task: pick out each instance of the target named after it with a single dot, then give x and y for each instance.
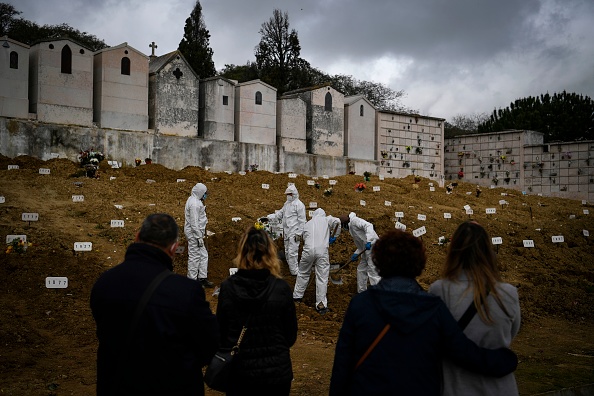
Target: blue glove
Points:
(368, 246)
(354, 257)
(332, 240)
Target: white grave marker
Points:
(497, 240)
(432, 189)
(235, 219)
(180, 249)
(422, 217)
(112, 177)
(502, 202)
(528, 243)
(242, 173)
(586, 233)
(376, 188)
(54, 155)
(490, 211)
(468, 192)
(10, 238)
(584, 202)
(83, 246)
(292, 175)
(503, 194)
(332, 182)
(30, 217)
(311, 183)
(150, 181)
(430, 184)
(381, 177)
(557, 238)
(78, 198)
(362, 203)
(492, 186)
(2, 199)
(586, 212)
(56, 282)
(400, 226)
(117, 223)
(119, 206)
(571, 217)
(387, 203)
(44, 171)
(181, 180)
(310, 213)
(399, 215)
(228, 172)
(469, 212)
(447, 215)
(265, 186)
(420, 231)
(313, 204)
(325, 177)
(233, 271)
(12, 167)
(466, 207)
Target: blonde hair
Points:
(257, 250)
(471, 252)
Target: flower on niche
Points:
(258, 225)
(360, 187)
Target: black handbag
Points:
(218, 372)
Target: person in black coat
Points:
(176, 333)
(407, 359)
(256, 297)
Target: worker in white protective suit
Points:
(316, 238)
(292, 216)
(195, 230)
(364, 237)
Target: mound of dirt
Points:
(48, 335)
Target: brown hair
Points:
(471, 252)
(257, 250)
(397, 253)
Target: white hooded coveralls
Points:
(362, 232)
(316, 234)
(195, 230)
(292, 215)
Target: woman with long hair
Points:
(258, 299)
(471, 276)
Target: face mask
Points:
(345, 226)
(290, 198)
(204, 196)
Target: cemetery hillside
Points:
(48, 333)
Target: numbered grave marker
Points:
(571, 217)
(310, 213)
(497, 240)
(490, 211)
(30, 217)
(586, 211)
(492, 186)
(12, 167)
(233, 271)
(376, 188)
(228, 172)
(584, 202)
(469, 212)
(181, 180)
(112, 177)
(311, 183)
(381, 177)
(586, 233)
(265, 186)
(326, 177)
(235, 219)
(432, 189)
(83, 246)
(313, 204)
(314, 178)
(503, 194)
(119, 206)
(44, 171)
(54, 155)
(78, 198)
(292, 175)
(400, 226)
(468, 193)
(466, 207)
(528, 243)
(332, 182)
(150, 181)
(557, 238)
(422, 217)
(242, 173)
(10, 238)
(2, 199)
(362, 203)
(447, 215)
(56, 282)
(420, 231)
(180, 249)
(387, 203)
(399, 215)
(117, 223)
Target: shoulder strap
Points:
(468, 315)
(148, 293)
(373, 345)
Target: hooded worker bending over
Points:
(364, 237)
(195, 230)
(292, 215)
(316, 237)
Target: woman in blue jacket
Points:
(421, 331)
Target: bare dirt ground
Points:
(47, 336)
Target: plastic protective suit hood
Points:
(199, 190)
(292, 190)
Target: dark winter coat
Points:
(407, 361)
(264, 357)
(176, 336)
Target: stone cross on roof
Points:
(153, 47)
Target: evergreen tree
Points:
(561, 117)
(7, 15)
(195, 44)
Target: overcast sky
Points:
(449, 56)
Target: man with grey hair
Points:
(155, 328)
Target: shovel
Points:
(338, 281)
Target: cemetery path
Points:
(48, 335)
